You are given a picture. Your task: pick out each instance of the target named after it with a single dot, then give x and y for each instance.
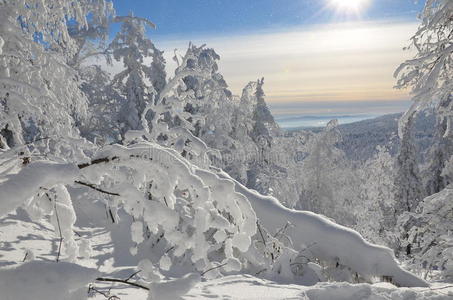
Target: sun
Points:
(348, 6)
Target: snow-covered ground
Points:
(21, 239)
(246, 287)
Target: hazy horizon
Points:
(292, 115)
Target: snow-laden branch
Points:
(330, 241)
(20, 187)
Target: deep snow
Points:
(18, 235)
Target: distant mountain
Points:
(361, 138)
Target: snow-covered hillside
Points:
(360, 139)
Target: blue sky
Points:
(309, 51)
(201, 17)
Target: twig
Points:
(111, 215)
(259, 272)
(213, 268)
(169, 249)
(158, 240)
(59, 230)
(105, 294)
(282, 230)
(59, 227)
(128, 278)
(261, 233)
(92, 288)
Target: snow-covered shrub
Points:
(202, 220)
(429, 238)
(273, 256)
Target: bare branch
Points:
(97, 161)
(122, 281)
(213, 268)
(92, 186)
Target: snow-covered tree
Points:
(131, 47)
(407, 181)
(429, 73)
(439, 154)
(261, 168)
(374, 212)
(104, 103)
(429, 236)
(174, 119)
(91, 39)
(329, 183)
(157, 73)
(264, 123)
(40, 98)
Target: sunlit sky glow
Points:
(323, 51)
(348, 6)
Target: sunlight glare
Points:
(348, 6)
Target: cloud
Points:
(334, 62)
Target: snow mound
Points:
(39, 280)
